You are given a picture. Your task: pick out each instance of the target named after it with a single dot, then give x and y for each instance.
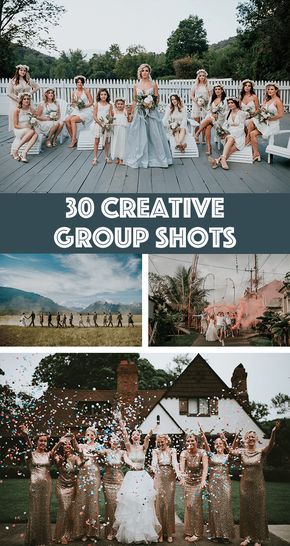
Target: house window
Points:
(198, 406)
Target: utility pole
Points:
(192, 278)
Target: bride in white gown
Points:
(211, 333)
(135, 516)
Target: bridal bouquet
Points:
(33, 122)
(53, 115)
(200, 101)
(249, 111)
(80, 104)
(173, 126)
(107, 123)
(221, 132)
(147, 102)
(264, 115)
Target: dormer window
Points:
(198, 406)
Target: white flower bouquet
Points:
(264, 115)
(147, 102)
(173, 126)
(221, 132)
(33, 122)
(53, 115)
(80, 104)
(107, 123)
(200, 102)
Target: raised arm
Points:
(204, 438)
(125, 435)
(272, 441)
(204, 469)
(147, 440)
(24, 430)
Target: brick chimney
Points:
(239, 386)
(127, 379)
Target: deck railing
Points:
(124, 88)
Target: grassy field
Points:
(52, 337)
(14, 494)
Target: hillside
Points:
(100, 306)
(14, 301)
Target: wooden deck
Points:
(64, 170)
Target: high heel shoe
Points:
(224, 164)
(73, 144)
(257, 158)
(16, 156)
(215, 162)
(209, 150)
(24, 159)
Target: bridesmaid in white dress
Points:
(135, 516)
(19, 84)
(23, 130)
(103, 110)
(235, 137)
(119, 136)
(200, 96)
(249, 101)
(216, 114)
(274, 109)
(175, 121)
(82, 102)
(48, 114)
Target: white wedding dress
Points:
(135, 516)
(211, 333)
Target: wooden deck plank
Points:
(63, 170)
(131, 181)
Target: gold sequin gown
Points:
(87, 521)
(193, 513)
(112, 481)
(253, 511)
(66, 492)
(165, 464)
(38, 527)
(220, 515)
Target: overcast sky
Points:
(268, 372)
(225, 270)
(93, 25)
(75, 279)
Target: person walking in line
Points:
(41, 319)
(130, 319)
(119, 320)
(71, 318)
(32, 317)
(110, 320)
(49, 320)
(58, 322)
(95, 320)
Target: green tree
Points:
(259, 411)
(188, 39)
(28, 21)
(69, 64)
(264, 34)
(95, 371)
(280, 402)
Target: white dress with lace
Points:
(211, 333)
(119, 136)
(86, 114)
(135, 516)
(268, 128)
(200, 91)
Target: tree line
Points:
(260, 50)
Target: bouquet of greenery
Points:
(147, 102)
(249, 111)
(107, 123)
(221, 132)
(80, 104)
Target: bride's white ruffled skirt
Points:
(135, 517)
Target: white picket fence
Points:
(124, 88)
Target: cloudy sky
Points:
(74, 279)
(224, 272)
(268, 372)
(92, 25)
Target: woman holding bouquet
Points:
(267, 121)
(19, 84)
(103, 123)
(175, 121)
(200, 96)
(249, 101)
(48, 115)
(24, 128)
(216, 115)
(81, 102)
(135, 516)
(147, 144)
(233, 131)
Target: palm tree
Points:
(184, 292)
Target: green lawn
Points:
(14, 505)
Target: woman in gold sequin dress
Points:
(135, 516)
(193, 469)
(67, 464)
(87, 522)
(39, 462)
(166, 469)
(220, 514)
(253, 512)
(112, 481)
